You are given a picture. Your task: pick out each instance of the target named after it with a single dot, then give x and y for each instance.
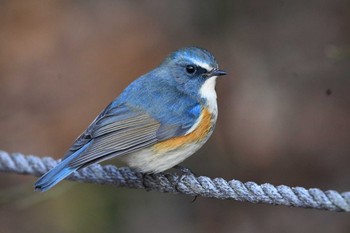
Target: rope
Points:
(187, 184)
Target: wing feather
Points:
(115, 132)
(119, 130)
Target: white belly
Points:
(148, 160)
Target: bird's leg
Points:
(184, 170)
(144, 175)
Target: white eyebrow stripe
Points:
(203, 65)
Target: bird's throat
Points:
(207, 92)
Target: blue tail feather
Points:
(58, 173)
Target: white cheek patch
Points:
(207, 91)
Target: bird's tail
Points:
(58, 173)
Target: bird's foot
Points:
(144, 182)
(185, 172)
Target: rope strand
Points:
(187, 184)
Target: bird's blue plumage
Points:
(58, 173)
(163, 104)
(176, 108)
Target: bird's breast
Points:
(201, 130)
(168, 153)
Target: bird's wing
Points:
(119, 130)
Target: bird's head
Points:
(194, 71)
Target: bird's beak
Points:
(216, 72)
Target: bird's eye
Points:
(190, 69)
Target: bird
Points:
(158, 120)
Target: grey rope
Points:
(186, 184)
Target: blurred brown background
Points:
(284, 107)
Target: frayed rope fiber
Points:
(187, 184)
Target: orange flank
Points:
(198, 134)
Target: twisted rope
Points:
(187, 184)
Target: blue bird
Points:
(158, 121)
